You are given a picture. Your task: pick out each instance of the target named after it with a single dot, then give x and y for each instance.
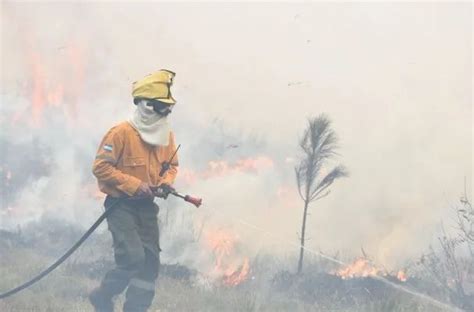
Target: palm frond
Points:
(336, 173)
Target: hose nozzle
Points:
(193, 200)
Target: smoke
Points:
(394, 78)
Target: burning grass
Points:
(231, 268)
(266, 287)
(187, 294)
(233, 281)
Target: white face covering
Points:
(152, 127)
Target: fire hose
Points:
(190, 199)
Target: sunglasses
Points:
(159, 107)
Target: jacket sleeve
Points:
(104, 168)
(171, 174)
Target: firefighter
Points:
(127, 165)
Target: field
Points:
(22, 255)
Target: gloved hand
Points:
(144, 190)
(164, 190)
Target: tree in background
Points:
(318, 146)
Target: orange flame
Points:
(229, 265)
(220, 168)
(239, 275)
(37, 92)
(402, 276)
(49, 88)
(362, 267)
(359, 268)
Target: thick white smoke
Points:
(395, 79)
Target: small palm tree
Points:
(318, 145)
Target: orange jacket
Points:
(124, 161)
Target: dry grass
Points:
(66, 290)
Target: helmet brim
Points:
(170, 100)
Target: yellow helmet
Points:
(155, 86)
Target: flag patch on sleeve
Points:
(108, 147)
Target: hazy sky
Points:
(395, 79)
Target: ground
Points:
(66, 289)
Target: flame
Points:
(43, 94)
(362, 267)
(220, 168)
(402, 276)
(239, 275)
(359, 268)
(232, 268)
(50, 88)
(37, 92)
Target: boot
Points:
(138, 300)
(100, 301)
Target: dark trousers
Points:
(135, 233)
